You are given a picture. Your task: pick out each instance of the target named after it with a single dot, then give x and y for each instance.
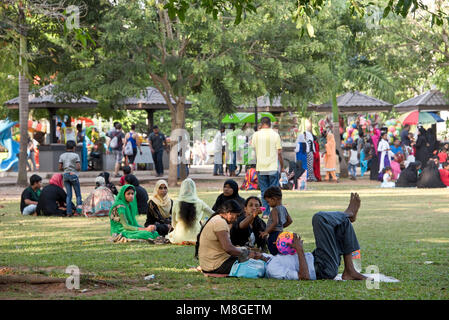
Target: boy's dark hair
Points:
(273, 192)
(118, 126)
(59, 124)
(354, 146)
(34, 179)
(79, 126)
(115, 124)
(126, 169)
(386, 169)
(265, 120)
(155, 127)
(70, 145)
(133, 127)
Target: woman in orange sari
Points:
(330, 157)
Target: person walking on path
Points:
(157, 143)
(267, 145)
(133, 138)
(31, 147)
(330, 157)
(116, 145)
(218, 152)
(231, 141)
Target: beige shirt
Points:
(266, 143)
(210, 253)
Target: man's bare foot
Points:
(352, 275)
(349, 210)
(353, 207)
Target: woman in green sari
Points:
(123, 218)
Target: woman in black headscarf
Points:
(141, 193)
(430, 177)
(422, 151)
(109, 184)
(373, 159)
(409, 176)
(230, 192)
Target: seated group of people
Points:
(231, 233)
(334, 237)
(51, 200)
(433, 175)
(181, 219)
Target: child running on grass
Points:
(277, 220)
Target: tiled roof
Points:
(150, 98)
(431, 98)
(44, 97)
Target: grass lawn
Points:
(398, 231)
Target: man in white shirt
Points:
(334, 236)
(218, 152)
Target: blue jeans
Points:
(266, 181)
(158, 164)
(71, 180)
(29, 209)
(352, 168)
(233, 164)
(218, 169)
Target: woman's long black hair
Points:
(229, 206)
(187, 213)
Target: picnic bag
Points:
(251, 269)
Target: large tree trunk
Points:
(23, 114)
(178, 142)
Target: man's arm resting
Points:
(281, 160)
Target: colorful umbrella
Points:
(246, 117)
(415, 117)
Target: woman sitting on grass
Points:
(188, 211)
(246, 230)
(230, 192)
(109, 184)
(52, 199)
(214, 248)
(160, 208)
(409, 176)
(123, 214)
(429, 178)
(100, 200)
